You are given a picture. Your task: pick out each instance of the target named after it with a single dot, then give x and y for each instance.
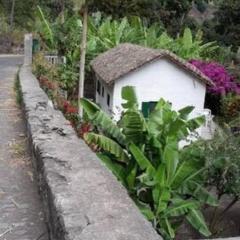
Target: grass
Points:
(18, 90)
(19, 148)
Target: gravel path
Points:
(21, 215)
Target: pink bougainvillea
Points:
(224, 82)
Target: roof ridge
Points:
(131, 57)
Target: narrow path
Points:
(21, 215)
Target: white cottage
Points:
(154, 73)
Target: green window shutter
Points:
(147, 108)
(152, 106)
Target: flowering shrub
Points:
(68, 108)
(84, 128)
(224, 82)
(50, 85)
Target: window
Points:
(102, 91)
(98, 87)
(147, 108)
(108, 100)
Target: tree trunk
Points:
(12, 14)
(83, 58)
(62, 11)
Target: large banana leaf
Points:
(129, 94)
(200, 193)
(46, 31)
(142, 161)
(120, 30)
(89, 107)
(102, 120)
(187, 39)
(116, 169)
(181, 208)
(187, 170)
(178, 129)
(165, 41)
(195, 123)
(133, 126)
(108, 126)
(160, 118)
(184, 112)
(133, 122)
(107, 145)
(145, 210)
(171, 159)
(163, 201)
(131, 175)
(196, 219)
(160, 176)
(169, 228)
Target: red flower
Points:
(71, 110)
(85, 128)
(46, 83)
(65, 105)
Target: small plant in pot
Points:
(144, 155)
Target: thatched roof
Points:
(125, 58)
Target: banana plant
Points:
(45, 30)
(189, 47)
(144, 155)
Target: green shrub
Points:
(231, 106)
(107, 33)
(221, 160)
(18, 90)
(68, 78)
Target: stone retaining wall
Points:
(82, 199)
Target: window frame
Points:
(103, 91)
(108, 99)
(98, 87)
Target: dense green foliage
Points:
(221, 158)
(170, 13)
(106, 33)
(23, 12)
(225, 27)
(144, 154)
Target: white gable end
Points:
(162, 79)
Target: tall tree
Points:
(56, 8)
(81, 6)
(62, 3)
(169, 12)
(227, 22)
(12, 14)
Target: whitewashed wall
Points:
(102, 100)
(163, 79)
